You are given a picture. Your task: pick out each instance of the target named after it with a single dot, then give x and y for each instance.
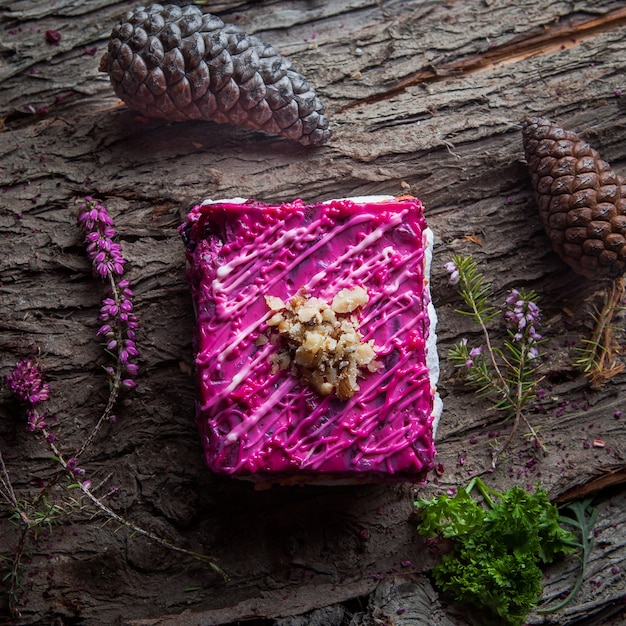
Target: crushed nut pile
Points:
(323, 344)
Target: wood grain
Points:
(422, 95)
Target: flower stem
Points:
(85, 487)
(115, 382)
(502, 385)
(518, 403)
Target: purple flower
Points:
(453, 271)
(131, 369)
(513, 297)
(533, 353)
(36, 420)
(116, 311)
(27, 384)
(131, 349)
(72, 466)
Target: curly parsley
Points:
(497, 547)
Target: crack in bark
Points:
(550, 39)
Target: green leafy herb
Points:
(497, 547)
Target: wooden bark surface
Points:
(423, 96)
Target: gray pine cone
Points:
(582, 201)
(180, 64)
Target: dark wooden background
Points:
(424, 96)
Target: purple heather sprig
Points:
(119, 322)
(116, 312)
(27, 384)
(474, 353)
(506, 374)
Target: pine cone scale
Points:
(181, 64)
(581, 200)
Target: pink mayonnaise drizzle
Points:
(254, 421)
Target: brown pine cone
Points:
(582, 201)
(180, 64)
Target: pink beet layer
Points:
(267, 424)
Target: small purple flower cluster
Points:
(522, 316)
(472, 354)
(116, 313)
(453, 272)
(120, 324)
(72, 466)
(27, 384)
(102, 251)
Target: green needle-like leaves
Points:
(505, 373)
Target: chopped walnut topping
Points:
(323, 344)
(347, 300)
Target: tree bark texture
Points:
(424, 97)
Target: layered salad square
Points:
(316, 352)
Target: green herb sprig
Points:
(497, 547)
(507, 374)
(583, 519)
(598, 357)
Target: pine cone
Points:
(582, 201)
(180, 64)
